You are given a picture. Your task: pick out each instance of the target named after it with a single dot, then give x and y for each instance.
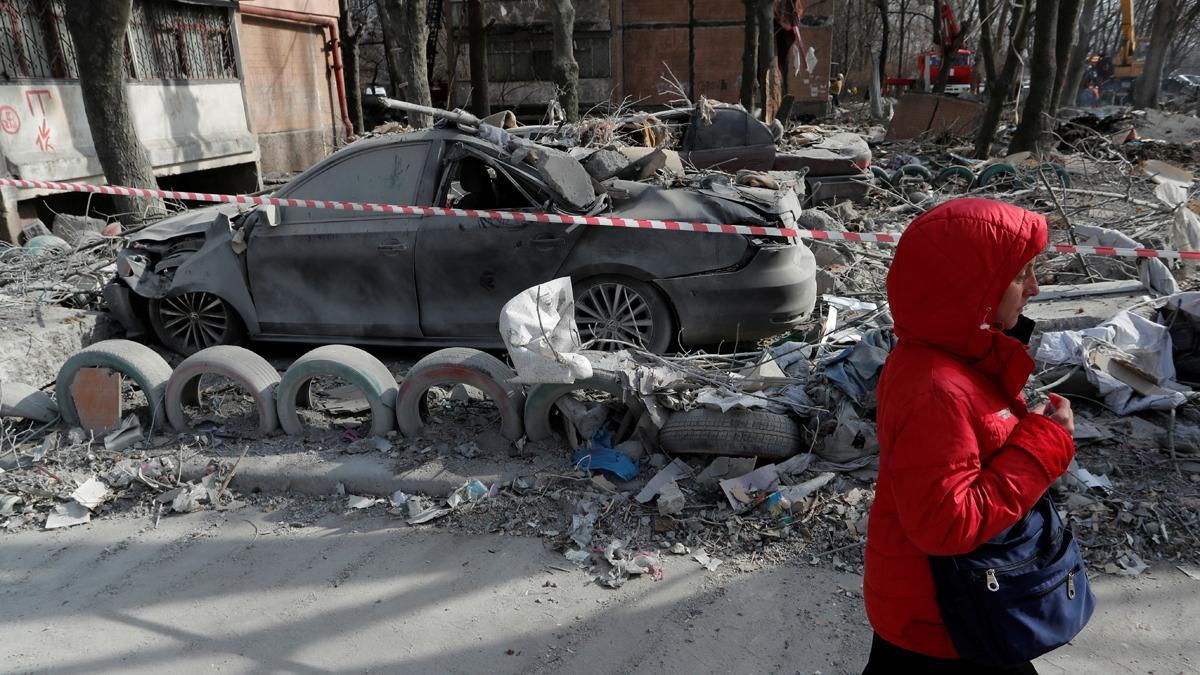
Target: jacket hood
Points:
(950, 271)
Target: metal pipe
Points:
(456, 116)
(330, 24)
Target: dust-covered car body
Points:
(324, 276)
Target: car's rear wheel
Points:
(189, 322)
(614, 313)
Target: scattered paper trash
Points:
(357, 502)
(67, 515)
(91, 494)
(124, 436)
(675, 471)
(740, 491)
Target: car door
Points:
(345, 274)
(467, 268)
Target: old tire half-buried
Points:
(539, 403)
(615, 310)
(351, 364)
(189, 322)
(959, 177)
(243, 367)
(458, 365)
(737, 433)
(912, 171)
(136, 361)
(1001, 176)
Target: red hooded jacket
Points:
(961, 459)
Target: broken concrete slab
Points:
(21, 400)
(1080, 306)
(604, 164)
(564, 175)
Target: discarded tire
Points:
(959, 176)
(999, 175)
(883, 178)
(461, 366)
(242, 366)
(737, 433)
(351, 364)
(135, 361)
(912, 171)
(539, 403)
(1057, 169)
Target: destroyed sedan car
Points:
(223, 274)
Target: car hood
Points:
(714, 202)
(191, 222)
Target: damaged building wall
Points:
(289, 84)
(701, 42)
(519, 54)
(187, 102)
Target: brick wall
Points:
(289, 91)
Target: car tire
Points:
(737, 433)
(189, 322)
(243, 367)
(541, 399)
(1001, 176)
(957, 179)
(131, 359)
(459, 365)
(351, 364)
(911, 171)
(882, 177)
(625, 311)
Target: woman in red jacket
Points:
(961, 457)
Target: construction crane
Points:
(929, 64)
(1113, 78)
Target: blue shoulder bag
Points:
(1018, 596)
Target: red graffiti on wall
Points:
(10, 120)
(43, 133)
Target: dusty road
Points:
(356, 593)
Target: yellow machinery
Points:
(1131, 60)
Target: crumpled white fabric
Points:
(1143, 342)
(538, 328)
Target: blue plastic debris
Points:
(600, 456)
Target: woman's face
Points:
(1016, 294)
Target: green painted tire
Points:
(957, 174)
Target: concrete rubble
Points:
(1119, 336)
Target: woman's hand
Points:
(1061, 412)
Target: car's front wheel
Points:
(189, 322)
(614, 313)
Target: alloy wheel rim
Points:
(195, 320)
(613, 316)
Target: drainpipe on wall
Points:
(330, 24)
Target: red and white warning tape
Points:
(559, 218)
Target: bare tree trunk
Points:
(395, 79)
(1004, 84)
(883, 49)
(1077, 67)
(1041, 79)
(566, 69)
(986, 41)
(350, 74)
(749, 54)
(98, 30)
(1064, 46)
(1166, 18)
(901, 65)
(405, 39)
(481, 102)
(766, 58)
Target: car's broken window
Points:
(386, 175)
(474, 184)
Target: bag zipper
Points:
(994, 585)
(990, 574)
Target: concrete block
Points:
(96, 393)
(604, 164)
(1079, 306)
